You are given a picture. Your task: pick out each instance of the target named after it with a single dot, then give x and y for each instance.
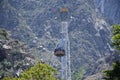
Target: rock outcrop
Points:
(13, 56)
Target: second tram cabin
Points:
(64, 14)
(64, 10)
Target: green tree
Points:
(38, 72)
(114, 74)
(78, 75)
(116, 37)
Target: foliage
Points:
(37, 72)
(79, 74)
(14, 55)
(6, 64)
(114, 74)
(116, 37)
(3, 33)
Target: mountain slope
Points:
(14, 56)
(37, 23)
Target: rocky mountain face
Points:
(37, 23)
(13, 56)
(110, 9)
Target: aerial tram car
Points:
(64, 14)
(59, 52)
(60, 49)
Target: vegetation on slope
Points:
(114, 73)
(116, 37)
(39, 71)
(78, 75)
(16, 61)
(14, 57)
